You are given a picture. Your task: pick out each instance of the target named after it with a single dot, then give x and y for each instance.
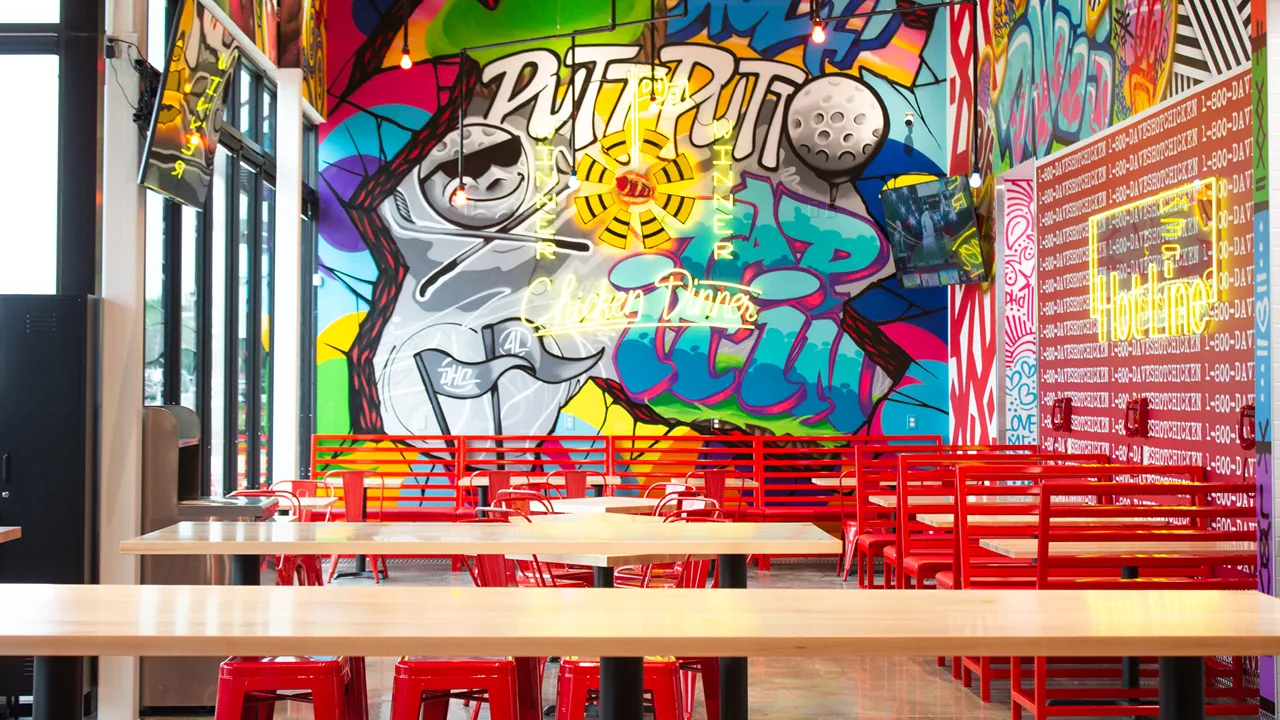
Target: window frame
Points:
(78, 41)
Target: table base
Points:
(58, 688)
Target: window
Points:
(29, 140)
(153, 335)
(310, 315)
(30, 11)
(240, 277)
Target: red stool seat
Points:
(580, 679)
(334, 686)
(423, 686)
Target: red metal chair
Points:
(308, 489)
(575, 482)
(249, 687)
(527, 502)
(422, 687)
(355, 510)
(579, 683)
(290, 569)
(1186, 513)
(525, 573)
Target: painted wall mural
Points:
(1064, 70)
(1018, 306)
(257, 18)
(302, 46)
(664, 225)
(973, 358)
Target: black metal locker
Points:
(48, 446)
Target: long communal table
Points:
(621, 673)
(62, 623)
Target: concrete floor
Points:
(829, 689)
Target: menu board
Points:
(188, 112)
(1146, 283)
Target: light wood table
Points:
(1179, 626)
(626, 505)
(9, 533)
(948, 521)
(730, 542)
(1027, 548)
(428, 538)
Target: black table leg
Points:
(59, 688)
(1130, 667)
(246, 569)
(1181, 688)
(621, 679)
(621, 688)
(603, 577)
(733, 671)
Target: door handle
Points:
(4, 468)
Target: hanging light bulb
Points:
(459, 196)
(406, 62)
(573, 180)
(975, 180)
(819, 35)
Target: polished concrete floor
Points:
(818, 688)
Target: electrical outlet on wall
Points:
(911, 422)
(568, 422)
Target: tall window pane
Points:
(216, 423)
(264, 368)
(157, 34)
(192, 265)
(30, 11)
(244, 248)
(153, 315)
(29, 142)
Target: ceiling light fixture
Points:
(406, 62)
(819, 34)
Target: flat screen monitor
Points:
(189, 106)
(933, 231)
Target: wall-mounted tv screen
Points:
(934, 233)
(189, 106)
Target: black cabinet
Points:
(48, 446)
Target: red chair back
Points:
(353, 494)
(1210, 555)
(526, 502)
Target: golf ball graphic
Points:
(836, 124)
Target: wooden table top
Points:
(660, 539)
(628, 505)
(8, 533)
(1026, 548)
(311, 502)
(948, 521)
(849, 482)
(387, 621)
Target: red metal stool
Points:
(580, 680)
(423, 686)
(249, 687)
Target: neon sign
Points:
(544, 185)
(1156, 300)
(722, 188)
(200, 117)
(681, 301)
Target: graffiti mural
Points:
(302, 46)
(1065, 70)
(1021, 391)
(645, 230)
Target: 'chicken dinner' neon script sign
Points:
(674, 299)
